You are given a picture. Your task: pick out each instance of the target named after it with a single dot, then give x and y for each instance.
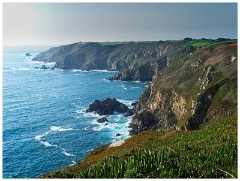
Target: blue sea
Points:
(45, 126)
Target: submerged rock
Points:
(28, 54)
(107, 107)
(102, 120)
(44, 67)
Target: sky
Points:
(64, 23)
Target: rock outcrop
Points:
(107, 107)
(102, 120)
(44, 67)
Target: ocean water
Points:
(45, 126)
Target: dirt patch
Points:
(115, 144)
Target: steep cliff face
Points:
(133, 60)
(196, 89)
(146, 65)
(143, 72)
(89, 56)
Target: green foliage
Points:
(207, 153)
(205, 42)
(112, 43)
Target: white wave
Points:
(97, 123)
(91, 115)
(73, 163)
(59, 128)
(21, 68)
(137, 81)
(58, 69)
(52, 129)
(89, 150)
(94, 70)
(135, 87)
(123, 86)
(115, 117)
(87, 128)
(36, 62)
(66, 153)
(81, 111)
(99, 128)
(78, 70)
(43, 63)
(99, 70)
(29, 60)
(46, 144)
(38, 137)
(126, 102)
(109, 127)
(122, 128)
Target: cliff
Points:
(196, 89)
(133, 60)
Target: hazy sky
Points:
(62, 23)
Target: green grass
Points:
(112, 43)
(199, 43)
(207, 153)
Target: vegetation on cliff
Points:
(196, 89)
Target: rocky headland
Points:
(133, 60)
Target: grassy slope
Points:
(198, 43)
(205, 153)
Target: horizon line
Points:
(59, 44)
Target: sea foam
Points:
(21, 68)
(45, 143)
(66, 153)
(59, 128)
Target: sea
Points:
(45, 125)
